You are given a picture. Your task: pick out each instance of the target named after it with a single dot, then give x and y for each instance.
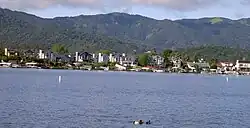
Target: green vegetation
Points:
(119, 32)
(105, 52)
(167, 53)
(216, 53)
(213, 63)
(216, 20)
(143, 59)
(59, 48)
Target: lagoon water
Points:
(35, 99)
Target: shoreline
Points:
(63, 69)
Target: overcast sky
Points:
(159, 9)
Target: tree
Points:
(1, 52)
(167, 53)
(59, 48)
(4, 58)
(213, 63)
(107, 52)
(17, 58)
(195, 58)
(143, 59)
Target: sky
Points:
(158, 9)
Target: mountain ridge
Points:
(123, 13)
(122, 31)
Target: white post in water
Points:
(59, 79)
(227, 79)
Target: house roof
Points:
(62, 56)
(243, 61)
(84, 53)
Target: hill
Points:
(216, 52)
(121, 31)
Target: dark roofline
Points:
(243, 61)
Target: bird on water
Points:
(140, 122)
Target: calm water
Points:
(35, 99)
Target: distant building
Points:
(105, 58)
(41, 54)
(157, 60)
(8, 52)
(201, 65)
(129, 61)
(112, 58)
(242, 65)
(118, 58)
(226, 66)
(62, 58)
(83, 56)
(30, 53)
(176, 63)
(102, 58)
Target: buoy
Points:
(227, 79)
(59, 79)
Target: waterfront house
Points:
(10, 52)
(176, 63)
(62, 58)
(118, 58)
(30, 53)
(128, 63)
(103, 58)
(242, 65)
(41, 54)
(129, 60)
(49, 55)
(95, 58)
(194, 66)
(83, 56)
(157, 60)
(226, 66)
(112, 58)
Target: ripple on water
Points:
(114, 100)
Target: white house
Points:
(201, 65)
(242, 65)
(41, 54)
(226, 66)
(83, 56)
(158, 60)
(103, 58)
(128, 63)
(100, 57)
(112, 58)
(8, 52)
